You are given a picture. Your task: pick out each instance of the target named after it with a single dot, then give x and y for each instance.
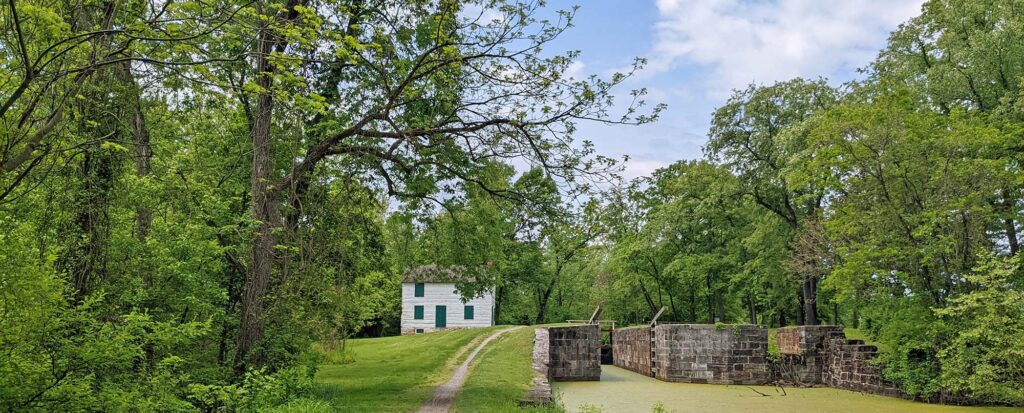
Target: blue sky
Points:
(700, 50)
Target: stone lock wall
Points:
(574, 353)
(703, 353)
(805, 340)
(823, 355)
(631, 349)
(737, 354)
(571, 353)
(849, 366)
(803, 351)
(540, 390)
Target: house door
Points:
(440, 316)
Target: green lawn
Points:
(392, 374)
(500, 376)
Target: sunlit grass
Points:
(501, 376)
(390, 374)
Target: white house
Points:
(430, 301)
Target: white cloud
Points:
(641, 167)
(480, 15)
(736, 42)
(575, 70)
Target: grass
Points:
(393, 374)
(500, 376)
(773, 342)
(857, 334)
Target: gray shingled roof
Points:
(433, 273)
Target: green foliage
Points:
(59, 353)
(258, 391)
(983, 356)
(158, 179)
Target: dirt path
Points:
(445, 395)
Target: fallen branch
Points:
(755, 391)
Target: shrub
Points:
(985, 356)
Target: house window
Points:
(419, 289)
(419, 331)
(417, 312)
(468, 312)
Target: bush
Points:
(985, 356)
(259, 391)
(912, 334)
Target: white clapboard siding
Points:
(435, 294)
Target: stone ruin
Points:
(565, 353)
(813, 355)
(695, 353)
(631, 349)
(713, 354)
(803, 354)
(738, 354)
(575, 353)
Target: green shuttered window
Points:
(468, 312)
(419, 289)
(417, 312)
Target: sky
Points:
(698, 51)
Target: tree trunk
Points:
(1008, 223)
(810, 301)
(263, 208)
(719, 308)
(85, 259)
(143, 151)
(498, 298)
(800, 307)
(542, 304)
(647, 297)
(711, 299)
(693, 305)
(143, 216)
(1011, 236)
(752, 310)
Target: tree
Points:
(56, 52)
(566, 238)
(962, 56)
(757, 134)
(427, 98)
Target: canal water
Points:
(623, 391)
